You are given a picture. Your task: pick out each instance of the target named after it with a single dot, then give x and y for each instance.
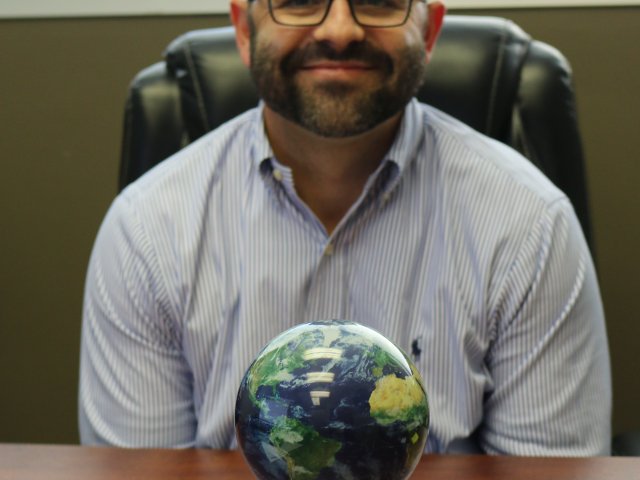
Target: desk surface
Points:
(40, 462)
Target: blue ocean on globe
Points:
(332, 400)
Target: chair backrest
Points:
(485, 71)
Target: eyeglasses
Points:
(367, 13)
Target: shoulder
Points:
(174, 194)
(186, 173)
(174, 202)
(483, 180)
(492, 202)
(476, 159)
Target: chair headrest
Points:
(474, 59)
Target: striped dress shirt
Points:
(458, 250)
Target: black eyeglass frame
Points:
(353, 15)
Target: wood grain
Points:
(40, 462)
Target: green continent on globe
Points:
(305, 451)
(399, 399)
(274, 367)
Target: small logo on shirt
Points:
(415, 349)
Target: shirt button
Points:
(277, 174)
(386, 197)
(328, 250)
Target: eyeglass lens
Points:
(366, 12)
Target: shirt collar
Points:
(409, 138)
(261, 148)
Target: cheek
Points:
(396, 41)
(415, 39)
(280, 40)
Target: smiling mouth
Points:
(338, 69)
(337, 65)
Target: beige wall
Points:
(62, 90)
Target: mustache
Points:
(318, 51)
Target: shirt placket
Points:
(328, 291)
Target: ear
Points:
(435, 19)
(239, 11)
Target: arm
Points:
(549, 361)
(135, 385)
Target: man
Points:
(341, 197)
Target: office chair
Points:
(485, 71)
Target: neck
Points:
(329, 173)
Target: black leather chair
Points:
(626, 444)
(485, 71)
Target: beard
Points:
(334, 108)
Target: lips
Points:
(337, 65)
(337, 70)
(358, 58)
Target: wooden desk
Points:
(41, 462)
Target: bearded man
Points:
(341, 196)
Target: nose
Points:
(339, 28)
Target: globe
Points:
(332, 400)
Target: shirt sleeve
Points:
(549, 362)
(135, 384)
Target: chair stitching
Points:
(125, 167)
(518, 127)
(494, 83)
(197, 87)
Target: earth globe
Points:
(332, 400)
